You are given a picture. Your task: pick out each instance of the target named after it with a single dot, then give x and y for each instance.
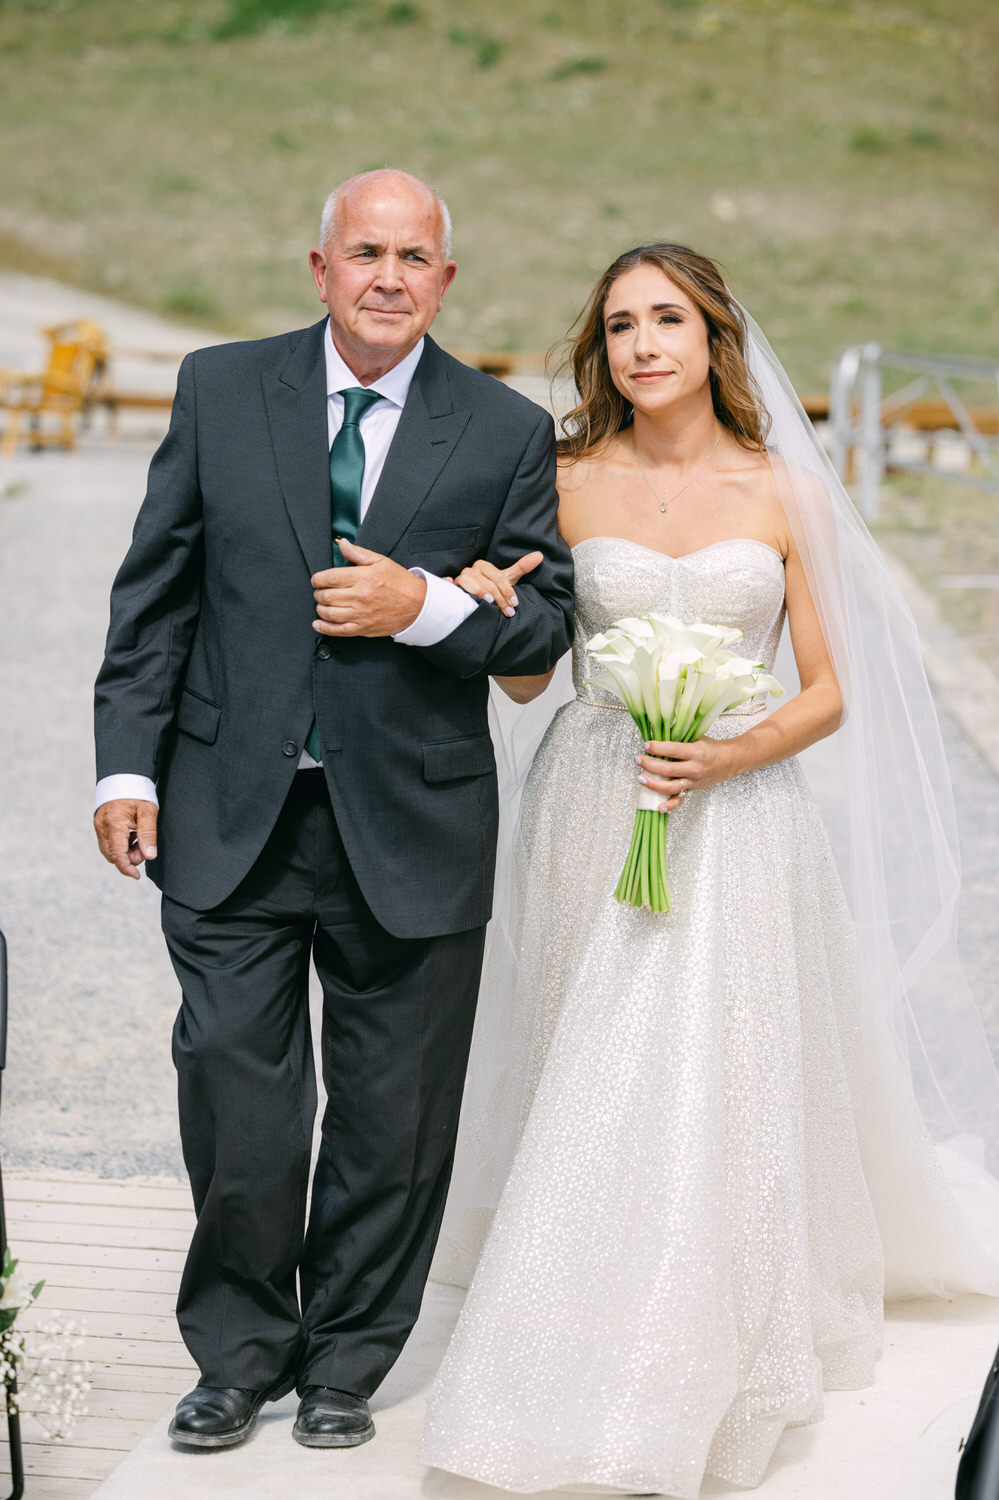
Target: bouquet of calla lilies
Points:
(674, 680)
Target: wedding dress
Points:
(720, 1167)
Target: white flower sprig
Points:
(46, 1363)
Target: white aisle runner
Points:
(896, 1441)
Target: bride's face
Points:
(657, 341)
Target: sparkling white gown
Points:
(720, 1153)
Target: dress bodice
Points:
(738, 583)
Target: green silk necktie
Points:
(347, 468)
(346, 476)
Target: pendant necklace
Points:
(670, 498)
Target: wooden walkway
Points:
(110, 1254)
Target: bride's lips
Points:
(645, 377)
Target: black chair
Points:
(978, 1471)
(13, 1419)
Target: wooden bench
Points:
(46, 407)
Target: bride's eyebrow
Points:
(656, 307)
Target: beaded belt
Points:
(743, 709)
(593, 703)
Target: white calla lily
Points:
(619, 679)
(664, 626)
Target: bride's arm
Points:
(814, 713)
(498, 586)
(524, 689)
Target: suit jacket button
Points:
(289, 747)
(324, 651)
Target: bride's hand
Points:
(496, 585)
(691, 768)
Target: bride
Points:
(701, 1128)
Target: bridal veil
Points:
(884, 790)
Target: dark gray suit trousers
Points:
(397, 1024)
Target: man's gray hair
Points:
(327, 225)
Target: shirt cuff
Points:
(125, 785)
(444, 609)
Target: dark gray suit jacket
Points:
(213, 672)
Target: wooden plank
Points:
(86, 1179)
(152, 1379)
(84, 1300)
(99, 1236)
(29, 1190)
(113, 1351)
(120, 1434)
(121, 1258)
(56, 1459)
(46, 1216)
(115, 400)
(136, 1406)
(61, 1488)
(113, 1325)
(129, 1279)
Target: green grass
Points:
(835, 155)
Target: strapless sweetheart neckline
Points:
(727, 541)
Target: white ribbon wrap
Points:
(648, 800)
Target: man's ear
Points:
(317, 265)
(450, 270)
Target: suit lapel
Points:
(296, 401)
(426, 435)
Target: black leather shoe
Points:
(213, 1416)
(332, 1419)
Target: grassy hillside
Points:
(837, 155)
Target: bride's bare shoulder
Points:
(574, 474)
(582, 473)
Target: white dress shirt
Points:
(445, 605)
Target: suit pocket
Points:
(452, 539)
(198, 718)
(450, 760)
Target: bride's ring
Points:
(681, 793)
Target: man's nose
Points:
(389, 277)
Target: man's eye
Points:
(413, 256)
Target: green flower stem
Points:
(643, 881)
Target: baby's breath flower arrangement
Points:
(42, 1371)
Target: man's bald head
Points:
(381, 183)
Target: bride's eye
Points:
(618, 327)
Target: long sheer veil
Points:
(884, 790)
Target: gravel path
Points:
(89, 1081)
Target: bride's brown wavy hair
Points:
(603, 411)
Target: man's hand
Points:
(374, 597)
(126, 833)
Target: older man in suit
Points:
(304, 715)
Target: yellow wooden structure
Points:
(45, 408)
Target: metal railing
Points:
(862, 419)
